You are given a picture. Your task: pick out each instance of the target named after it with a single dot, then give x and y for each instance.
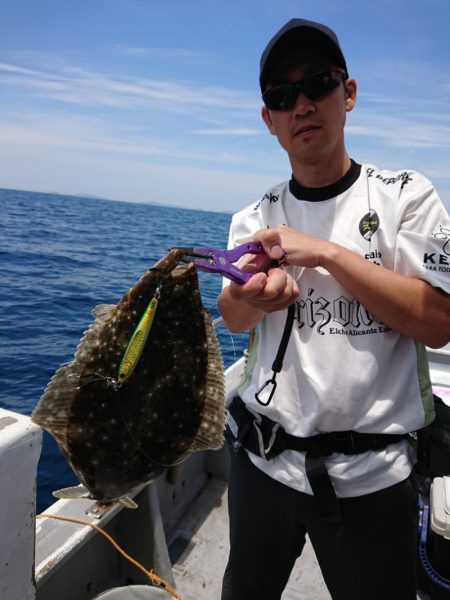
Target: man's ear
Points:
(267, 119)
(350, 92)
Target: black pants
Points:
(369, 555)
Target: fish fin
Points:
(75, 492)
(79, 492)
(210, 434)
(127, 502)
(53, 410)
(103, 312)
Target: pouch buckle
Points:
(264, 450)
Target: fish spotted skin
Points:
(116, 439)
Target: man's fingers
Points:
(248, 290)
(269, 293)
(255, 263)
(271, 242)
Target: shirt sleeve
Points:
(423, 240)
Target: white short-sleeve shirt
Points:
(344, 369)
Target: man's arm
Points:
(408, 305)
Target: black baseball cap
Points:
(304, 32)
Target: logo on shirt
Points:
(444, 235)
(436, 261)
(403, 177)
(272, 198)
(336, 316)
(369, 224)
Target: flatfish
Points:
(128, 406)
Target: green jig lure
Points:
(137, 342)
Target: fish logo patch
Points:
(369, 224)
(443, 235)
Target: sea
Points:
(62, 255)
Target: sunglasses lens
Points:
(319, 85)
(315, 86)
(281, 97)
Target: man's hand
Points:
(268, 292)
(302, 250)
(244, 305)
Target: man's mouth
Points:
(305, 129)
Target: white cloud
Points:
(178, 54)
(89, 88)
(73, 116)
(93, 135)
(418, 131)
(232, 131)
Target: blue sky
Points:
(151, 100)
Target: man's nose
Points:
(303, 104)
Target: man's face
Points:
(312, 131)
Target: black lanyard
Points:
(278, 362)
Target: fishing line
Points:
(300, 273)
(154, 578)
(96, 377)
(232, 343)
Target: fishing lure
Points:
(137, 341)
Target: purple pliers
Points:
(213, 260)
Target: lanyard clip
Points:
(268, 393)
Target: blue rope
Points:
(441, 581)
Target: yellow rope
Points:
(150, 574)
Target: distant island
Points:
(102, 198)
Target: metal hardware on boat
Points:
(218, 322)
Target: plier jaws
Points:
(213, 260)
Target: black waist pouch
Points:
(433, 443)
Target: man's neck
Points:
(318, 174)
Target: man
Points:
(335, 383)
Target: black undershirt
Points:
(329, 191)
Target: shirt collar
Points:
(329, 191)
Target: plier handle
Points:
(213, 260)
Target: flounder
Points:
(118, 426)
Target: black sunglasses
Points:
(314, 86)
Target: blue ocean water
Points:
(62, 255)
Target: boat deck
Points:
(200, 549)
